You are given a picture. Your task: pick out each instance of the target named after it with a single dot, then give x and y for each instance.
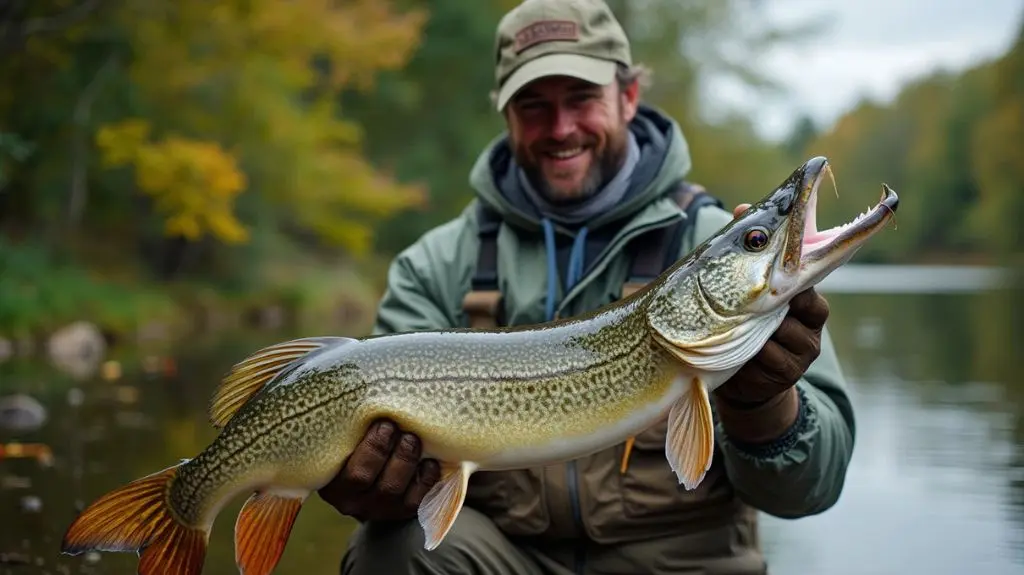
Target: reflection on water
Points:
(932, 488)
(937, 480)
(936, 485)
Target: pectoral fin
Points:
(690, 441)
(443, 502)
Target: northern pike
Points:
(484, 399)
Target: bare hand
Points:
(383, 479)
(739, 210)
(786, 355)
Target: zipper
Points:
(571, 472)
(572, 480)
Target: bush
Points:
(39, 292)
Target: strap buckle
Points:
(482, 307)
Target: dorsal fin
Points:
(250, 375)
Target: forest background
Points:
(167, 167)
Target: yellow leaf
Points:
(236, 75)
(119, 143)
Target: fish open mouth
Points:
(807, 244)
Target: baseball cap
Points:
(578, 38)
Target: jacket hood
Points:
(664, 158)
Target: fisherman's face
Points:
(570, 136)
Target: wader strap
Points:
(651, 252)
(483, 304)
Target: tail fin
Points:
(136, 517)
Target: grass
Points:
(40, 293)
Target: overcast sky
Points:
(873, 46)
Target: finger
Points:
(428, 473)
(739, 210)
(810, 308)
(400, 469)
(368, 458)
(777, 366)
(796, 338)
(339, 497)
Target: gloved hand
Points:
(785, 356)
(759, 403)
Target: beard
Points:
(605, 162)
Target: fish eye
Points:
(756, 239)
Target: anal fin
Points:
(262, 530)
(690, 441)
(248, 376)
(441, 506)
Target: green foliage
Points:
(193, 184)
(12, 150)
(246, 69)
(950, 145)
(997, 156)
(155, 155)
(40, 291)
(429, 120)
(232, 103)
(190, 141)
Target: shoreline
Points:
(173, 314)
(343, 298)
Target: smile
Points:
(566, 154)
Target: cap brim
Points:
(594, 70)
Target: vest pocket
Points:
(514, 500)
(650, 491)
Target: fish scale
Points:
(512, 408)
(262, 438)
(291, 413)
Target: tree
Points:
(428, 120)
(804, 132)
(998, 159)
(219, 120)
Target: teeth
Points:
(847, 225)
(563, 154)
(814, 237)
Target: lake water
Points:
(936, 485)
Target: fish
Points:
(484, 399)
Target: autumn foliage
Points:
(193, 183)
(950, 144)
(147, 145)
(221, 100)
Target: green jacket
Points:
(801, 474)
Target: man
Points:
(583, 173)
